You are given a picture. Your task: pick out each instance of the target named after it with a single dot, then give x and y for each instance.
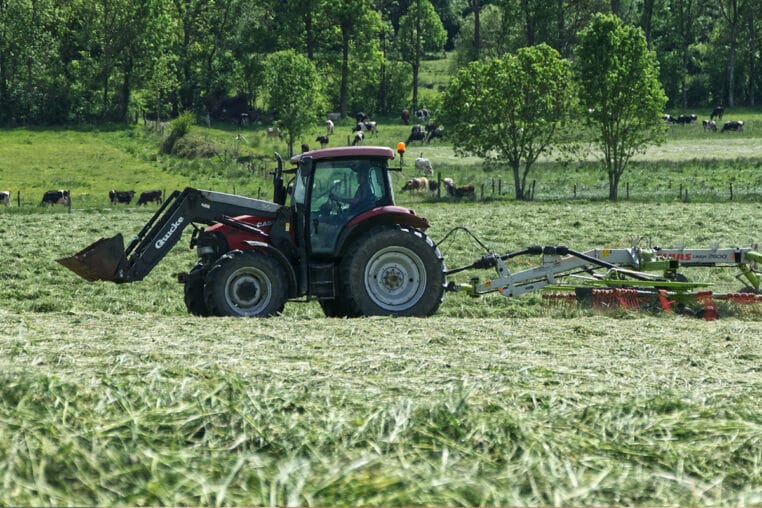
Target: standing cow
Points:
(56, 197)
(150, 197)
(5, 198)
(124, 197)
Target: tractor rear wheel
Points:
(193, 291)
(246, 283)
(392, 270)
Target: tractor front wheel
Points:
(392, 270)
(246, 283)
(193, 291)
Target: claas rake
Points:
(633, 278)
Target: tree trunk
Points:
(518, 188)
(309, 35)
(731, 16)
(529, 24)
(416, 56)
(382, 77)
(613, 185)
(476, 5)
(752, 61)
(344, 87)
(645, 19)
(616, 7)
(124, 99)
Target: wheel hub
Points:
(393, 278)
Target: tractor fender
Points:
(383, 215)
(282, 259)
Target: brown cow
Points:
(419, 184)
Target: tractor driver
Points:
(363, 198)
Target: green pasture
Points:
(692, 165)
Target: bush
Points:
(178, 128)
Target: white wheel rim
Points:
(248, 290)
(395, 278)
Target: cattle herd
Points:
(125, 197)
(709, 125)
(63, 197)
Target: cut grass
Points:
(139, 410)
(113, 395)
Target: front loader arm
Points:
(107, 259)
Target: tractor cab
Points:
(335, 187)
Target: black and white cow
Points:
(733, 125)
(717, 113)
(150, 197)
(56, 197)
(709, 125)
(5, 198)
(417, 133)
(323, 140)
(117, 197)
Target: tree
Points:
(420, 30)
(620, 92)
(509, 108)
(291, 86)
(493, 40)
(355, 20)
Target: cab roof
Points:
(346, 152)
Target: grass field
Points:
(114, 395)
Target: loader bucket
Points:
(99, 261)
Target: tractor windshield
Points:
(341, 190)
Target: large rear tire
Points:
(193, 291)
(392, 271)
(247, 284)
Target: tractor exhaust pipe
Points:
(99, 261)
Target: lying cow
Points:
(5, 198)
(123, 197)
(733, 125)
(150, 197)
(56, 197)
(420, 184)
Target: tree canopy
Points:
(620, 91)
(509, 108)
(108, 60)
(292, 92)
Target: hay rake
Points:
(634, 278)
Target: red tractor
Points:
(341, 241)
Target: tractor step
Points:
(99, 261)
